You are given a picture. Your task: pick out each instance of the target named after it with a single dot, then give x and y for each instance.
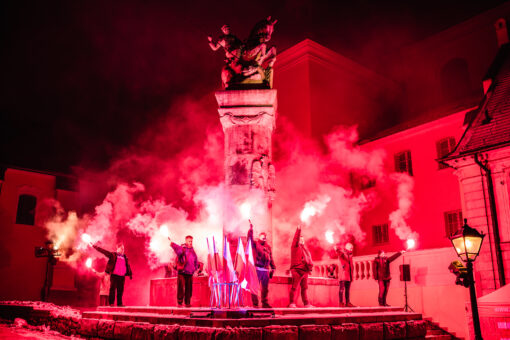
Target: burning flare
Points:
(313, 208)
(329, 236)
(245, 210)
(410, 243)
(163, 230)
(88, 263)
(86, 238)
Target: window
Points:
(444, 147)
(26, 210)
(403, 162)
(361, 182)
(452, 221)
(380, 234)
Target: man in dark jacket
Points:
(118, 268)
(300, 266)
(187, 265)
(264, 264)
(381, 268)
(345, 274)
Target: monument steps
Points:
(208, 317)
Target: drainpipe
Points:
(494, 218)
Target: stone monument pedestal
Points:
(248, 121)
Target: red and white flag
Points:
(218, 261)
(240, 261)
(252, 281)
(228, 267)
(211, 269)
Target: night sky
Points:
(83, 80)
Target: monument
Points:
(247, 111)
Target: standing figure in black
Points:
(381, 268)
(345, 270)
(300, 266)
(50, 253)
(187, 265)
(264, 264)
(118, 268)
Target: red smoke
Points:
(174, 177)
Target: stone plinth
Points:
(322, 292)
(248, 121)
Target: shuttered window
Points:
(403, 162)
(452, 221)
(380, 234)
(443, 148)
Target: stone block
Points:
(166, 332)
(312, 332)
(122, 330)
(105, 329)
(346, 331)
(395, 330)
(416, 328)
(371, 331)
(196, 333)
(88, 327)
(247, 333)
(142, 331)
(280, 333)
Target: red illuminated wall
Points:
(25, 273)
(435, 190)
(319, 89)
(422, 65)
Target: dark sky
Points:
(81, 80)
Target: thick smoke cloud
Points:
(151, 191)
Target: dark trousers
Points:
(263, 276)
(299, 277)
(184, 288)
(116, 284)
(384, 286)
(344, 286)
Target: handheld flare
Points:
(329, 236)
(245, 210)
(86, 238)
(88, 263)
(163, 230)
(410, 243)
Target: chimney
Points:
(501, 31)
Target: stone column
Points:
(248, 121)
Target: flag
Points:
(228, 267)
(211, 270)
(252, 281)
(217, 262)
(240, 261)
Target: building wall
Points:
(431, 291)
(473, 41)
(476, 206)
(435, 190)
(24, 271)
(332, 90)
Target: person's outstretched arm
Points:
(103, 251)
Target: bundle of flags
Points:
(241, 272)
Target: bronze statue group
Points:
(187, 265)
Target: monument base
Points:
(322, 292)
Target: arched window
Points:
(455, 80)
(26, 210)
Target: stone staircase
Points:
(436, 332)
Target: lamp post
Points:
(467, 242)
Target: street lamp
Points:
(467, 242)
